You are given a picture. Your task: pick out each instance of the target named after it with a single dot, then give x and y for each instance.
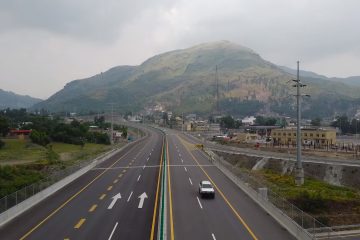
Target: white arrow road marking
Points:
(112, 232)
(213, 236)
(114, 199)
(190, 181)
(129, 196)
(142, 198)
(199, 203)
(139, 178)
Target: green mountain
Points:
(12, 100)
(184, 81)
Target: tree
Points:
(4, 126)
(39, 138)
(316, 122)
(227, 122)
(343, 123)
(2, 144)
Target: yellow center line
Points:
(102, 196)
(157, 196)
(116, 180)
(120, 175)
(109, 188)
(124, 171)
(93, 207)
(71, 198)
(170, 194)
(183, 141)
(66, 238)
(80, 223)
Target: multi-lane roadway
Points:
(120, 199)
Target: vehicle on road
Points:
(206, 190)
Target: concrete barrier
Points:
(18, 209)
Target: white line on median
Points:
(199, 202)
(139, 178)
(190, 181)
(129, 196)
(112, 233)
(213, 236)
(185, 169)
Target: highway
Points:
(119, 199)
(105, 203)
(231, 215)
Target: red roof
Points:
(20, 131)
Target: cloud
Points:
(45, 44)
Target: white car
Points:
(206, 189)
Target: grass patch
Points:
(285, 186)
(23, 163)
(21, 151)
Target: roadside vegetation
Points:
(52, 145)
(331, 205)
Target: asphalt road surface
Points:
(87, 208)
(231, 215)
(119, 199)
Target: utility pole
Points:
(299, 171)
(112, 124)
(217, 89)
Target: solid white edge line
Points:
(139, 178)
(199, 202)
(130, 196)
(112, 233)
(213, 236)
(190, 181)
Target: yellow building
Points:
(309, 136)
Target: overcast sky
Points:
(46, 43)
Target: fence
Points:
(299, 223)
(19, 196)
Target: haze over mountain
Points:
(352, 81)
(184, 81)
(12, 100)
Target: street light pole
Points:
(299, 171)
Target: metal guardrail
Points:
(303, 222)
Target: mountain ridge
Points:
(184, 81)
(10, 99)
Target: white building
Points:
(248, 121)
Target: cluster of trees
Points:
(347, 125)
(46, 129)
(229, 122)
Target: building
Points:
(309, 136)
(246, 137)
(248, 121)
